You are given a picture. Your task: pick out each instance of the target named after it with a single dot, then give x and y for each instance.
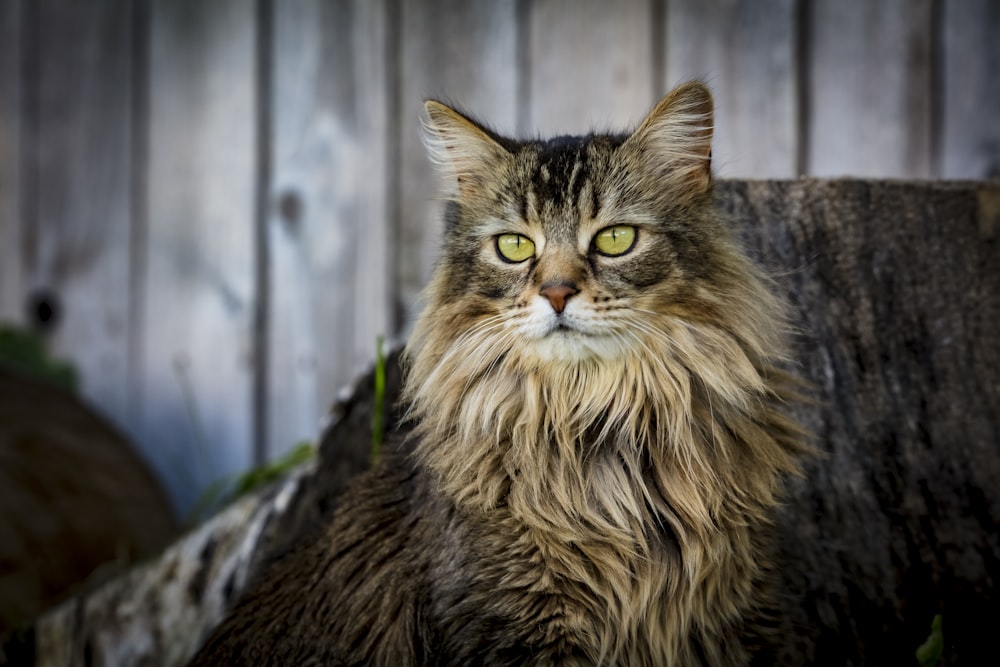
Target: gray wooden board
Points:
(745, 51)
(589, 65)
(197, 365)
(328, 228)
(10, 156)
(970, 95)
(81, 236)
(455, 51)
(869, 88)
(374, 295)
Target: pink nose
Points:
(558, 294)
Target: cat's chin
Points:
(567, 345)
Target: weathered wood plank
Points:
(456, 51)
(589, 65)
(198, 286)
(745, 51)
(81, 232)
(10, 160)
(869, 88)
(329, 228)
(970, 95)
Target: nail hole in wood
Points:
(44, 310)
(290, 208)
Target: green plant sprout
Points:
(378, 416)
(229, 489)
(929, 653)
(24, 351)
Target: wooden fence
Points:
(218, 205)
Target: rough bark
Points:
(895, 290)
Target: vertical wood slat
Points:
(463, 52)
(328, 228)
(197, 333)
(745, 51)
(10, 156)
(81, 188)
(870, 72)
(970, 94)
(590, 65)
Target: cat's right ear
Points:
(465, 151)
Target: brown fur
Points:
(590, 488)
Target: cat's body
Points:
(600, 437)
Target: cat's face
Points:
(591, 322)
(564, 249)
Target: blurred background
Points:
(213, 208)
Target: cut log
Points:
(78, 503)
(895, 291)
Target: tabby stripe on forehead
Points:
(595, 201)
(571, 188)
(588, 197)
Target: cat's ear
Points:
(465, 151)
(674, 142)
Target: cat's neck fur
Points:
(637, 474)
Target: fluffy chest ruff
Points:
(619, 506)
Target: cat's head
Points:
(570, 249)
(591, 308)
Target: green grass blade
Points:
(378, 409)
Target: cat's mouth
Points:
(569, 337)
(563, 328)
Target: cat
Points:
(599, 389)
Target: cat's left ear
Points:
(466, 151)
(674, 142)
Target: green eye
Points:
(616, 240)
(515, 247)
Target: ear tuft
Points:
(462, 148)
(675, 139)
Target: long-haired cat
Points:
(600, 439)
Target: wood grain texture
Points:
(198, 304)
(452, 51)
(81, 231)
(11, 306)
(589, 65)
(898, 521)
(869, 96)
(970, 97)
(745, 51)
(328, 230)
